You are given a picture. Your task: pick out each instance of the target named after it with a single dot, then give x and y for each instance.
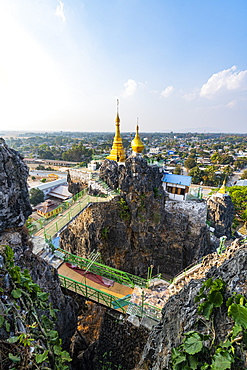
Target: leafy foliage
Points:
(124, 209)
(33, 342)
(199, 351)
(36, 196)
(239, 199)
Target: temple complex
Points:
(117, 152)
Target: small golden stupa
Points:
(117, 152)
(223, 188)
(136, 144)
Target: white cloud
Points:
(59, 10)
(190, 97)
(226, 80)
(167, 92)
(130, 88)
(232, 104)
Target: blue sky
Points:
(177, 65)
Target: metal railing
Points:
(53, 225)
(89, 292)
(42, 222)
(111, 301)
(119, 276)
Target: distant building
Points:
(51, 162)
(176, 186)
(92, 166)
(49, 186)
(60, 192)
(49, 208)
(156, 150)
(241, 182)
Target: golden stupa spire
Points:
(117, 152)
(136, 144)
(223, 188)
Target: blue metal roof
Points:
(177, 179)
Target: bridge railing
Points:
(109, 300)
(42, 222)
(119, 276)
(63, 220)
(89, 292)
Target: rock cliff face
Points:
(119, 345)
(220, 214)
(138, 229)
(180, 313)
(77, 180)
(46, 277)
(14, 199)
(14, 210)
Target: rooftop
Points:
(177, 179)
(51, 184)
(61, 192)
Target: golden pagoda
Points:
(136, 144)
(223, 188)
(117, 153)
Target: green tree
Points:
(177, 170)
(196, 173)
(239, 199)
(36, 196)
(228, 170)
(215, 158)
(40, 168)
(190, 163)
(226, 159)
(78, 153)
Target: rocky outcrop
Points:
(47, 278)
(14, 210)
(77, 180)
(220, 214)
(14, 199)
(141, 227)
(180, 313)
(120, 344)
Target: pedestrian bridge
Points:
(107, 286)
(113, 288)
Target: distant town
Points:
(208, 158)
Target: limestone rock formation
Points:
(139, 228)
(77, 181)
(220, 214)
(14, 200)
(46, 277)
(14, 210)
(180, 312)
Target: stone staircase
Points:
(199, 271)
(102, 186)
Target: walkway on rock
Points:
(49, 228)
(118, 290)
(64, 218)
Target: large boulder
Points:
(220, 214)
(14, 199)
